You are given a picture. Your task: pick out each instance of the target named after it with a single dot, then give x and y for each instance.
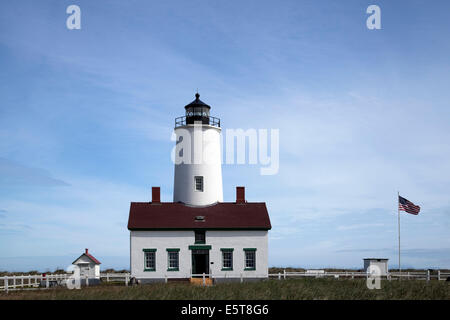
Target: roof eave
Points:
(205, 228)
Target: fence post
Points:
(126, 279)
(284, 274)
(14, 281)
(242, 279)
(5, 279)
(107, 277)
(165, 278)
(428, 275)
(21, 281)
(87, 281)
(439, 274)
(279, 276)
(204, 282)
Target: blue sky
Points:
(86, 118)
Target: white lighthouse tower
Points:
(198, 167)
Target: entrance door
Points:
(84, 270)
(200, 262)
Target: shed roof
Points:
(222, 215)
(90, 256)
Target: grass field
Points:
(292, 289)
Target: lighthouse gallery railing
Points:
(209, 120)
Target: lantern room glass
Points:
(196, 113)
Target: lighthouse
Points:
(198, 174)
(198, 236)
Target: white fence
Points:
(23, 282)
(31, 281)
(425, 275)
(116, 277)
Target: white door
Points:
(84, 270)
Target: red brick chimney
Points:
(156, 195)
(240, 194)
(86, 251)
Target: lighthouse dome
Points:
(197, 103)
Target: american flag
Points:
(407, 206)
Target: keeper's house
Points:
(198, 233)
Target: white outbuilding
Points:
(381, 263)
(87, 266)
(198, 234)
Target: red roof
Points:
(223, 215)
(90, 256)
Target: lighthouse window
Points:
(199, 183)
(197, 111)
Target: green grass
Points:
(292, 289)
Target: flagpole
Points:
(398, 211)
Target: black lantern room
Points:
(197, 112)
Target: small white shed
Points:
(87, 265)
(381, 263)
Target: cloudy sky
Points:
(86, 118)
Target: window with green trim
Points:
(227, 259)
(250, 259)
(149, 259)
(173, 259)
